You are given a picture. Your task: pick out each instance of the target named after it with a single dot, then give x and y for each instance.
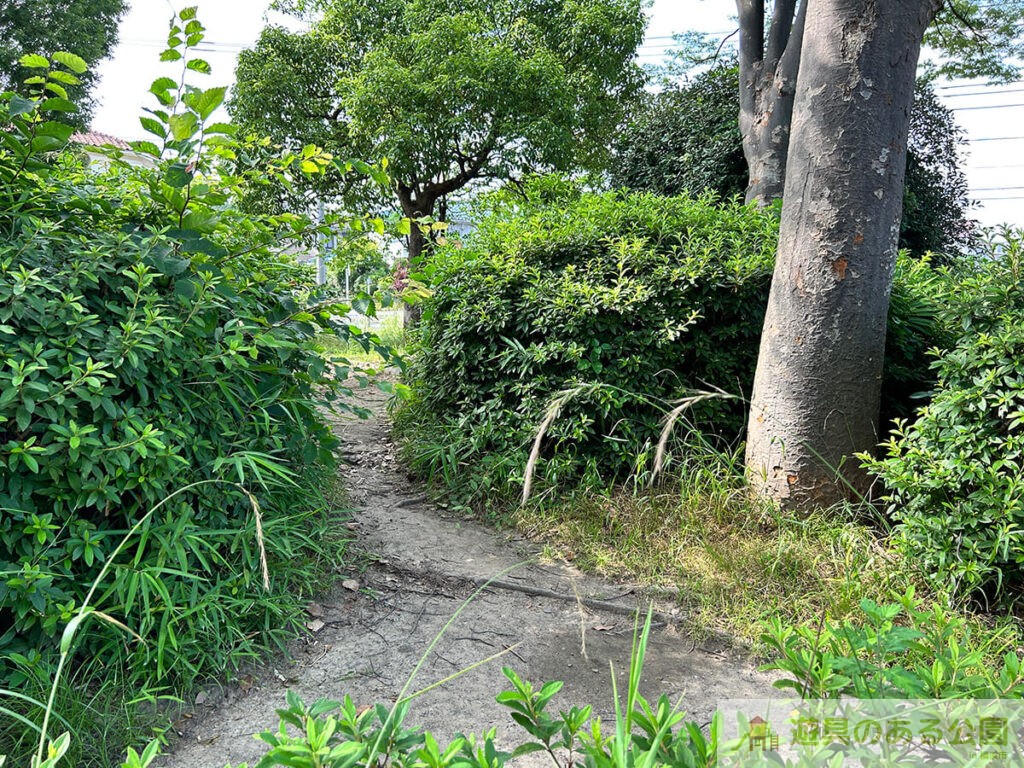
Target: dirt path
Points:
(426, 564)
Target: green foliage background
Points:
(632, 301)
(953, 471)
(86, 28)
(157, 351)
(686, 140)
(449, 92)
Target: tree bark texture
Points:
(768, 75)
(817, 387)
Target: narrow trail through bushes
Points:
(369, 632)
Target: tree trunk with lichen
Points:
(817, 387)
(768, 74)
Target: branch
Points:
(781, 28)
(789, 63)
(468, 172)
(751, 13)
(958, 15)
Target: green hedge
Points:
(633, 301)
(155, 353)
(954, 470)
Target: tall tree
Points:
(87, 28)
(684, 139)
(969, 38)
(452, 92)
(816, 391)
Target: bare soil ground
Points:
(557, 623)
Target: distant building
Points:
(92, 144)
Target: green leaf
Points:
(198, 65)
(170, 55)
(167, 262)
(162, 84)
(178, 175)
(226, 129)
(153, 126)
(54, 88)
(201, 221)
(57, 105)
(183, 126)
(187, 14)
(20, 106)
(34, 61)
(60, 76)
(146, 148)
(68, 635)
(75, 63)
(59, 131)
(526, 749)
(185, 288)
(47, 144)
(208, 101)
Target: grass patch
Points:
(390, 333)
(735, 562)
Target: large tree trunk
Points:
(816, 391)
(768, 74)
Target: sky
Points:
(991, 116)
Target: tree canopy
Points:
(451, 92)
(686, 139)
(87, 28)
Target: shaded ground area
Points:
(370, 632)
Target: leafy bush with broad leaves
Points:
(618, 305)
(156, 351)
(901, 650)
(953, 472)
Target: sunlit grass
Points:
(391, 332)
(733, 561)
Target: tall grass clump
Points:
(631, 302)
(153, 338)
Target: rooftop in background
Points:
(93, 142)
(95, 139)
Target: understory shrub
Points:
(953, 471)
(156, 351)
(618, 305)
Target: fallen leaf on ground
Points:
(315, 609)
(350, 584)
(315, 625)
(603, 627)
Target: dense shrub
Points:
(155, 354)
(631, 301)
(954, 471)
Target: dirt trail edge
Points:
(556, 623)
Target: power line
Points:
(991, 84)
(997, 138)
(987, 106)
(981, 93)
